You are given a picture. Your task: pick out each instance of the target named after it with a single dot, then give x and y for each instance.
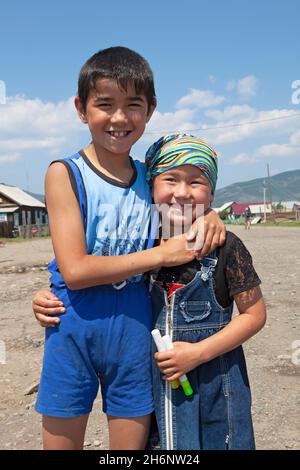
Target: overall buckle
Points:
(119, 285)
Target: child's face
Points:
(116, 117)
(181, 189)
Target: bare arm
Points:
(186, 356)
(81, 270)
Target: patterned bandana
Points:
(174, 150)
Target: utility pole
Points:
(265, 211)
(27, 178)
(270, 186)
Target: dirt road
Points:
(273, 355)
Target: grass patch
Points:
(291, 223)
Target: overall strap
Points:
(208, 265)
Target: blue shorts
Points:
(104, 337)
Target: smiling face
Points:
(184, 192)
(116, 117)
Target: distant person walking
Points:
(247, 215)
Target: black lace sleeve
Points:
(239, 271)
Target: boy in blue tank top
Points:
(99, 211)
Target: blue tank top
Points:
(116, 216)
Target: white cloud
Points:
(232, 112)
(163, 123)
(278, 150)
(212, 79)
(30, 125)
(199, 99)
(9, 158)
(290, 149)
(295, 138)
(2, 92)
(240, 159)
(34, 116)
(246, 87)
(231, 85)
(31, 144)
(230, 125)
(236, 123)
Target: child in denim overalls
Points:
(193, 303)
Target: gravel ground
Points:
(273, 356)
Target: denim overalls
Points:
(218, 414)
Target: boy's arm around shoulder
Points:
(81, 270)
(78, 269)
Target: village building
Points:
(285, 210)
(235, 212)
(21, 214)
(286, 206)
(297, 211)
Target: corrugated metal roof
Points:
(289, 205)
(226, 205)
(260, 208)
(239, 209)
(8, 209)
(20, 197)
(223, 207)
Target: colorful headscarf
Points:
(174, 150)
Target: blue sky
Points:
(223, 68)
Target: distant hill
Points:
(40, 197)
(285, 187)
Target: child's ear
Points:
(80, 109)
(151, 110)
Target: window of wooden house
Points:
(33, 217)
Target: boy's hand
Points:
(175, 251)
(207, 233)
(44, 306)
(179, 360)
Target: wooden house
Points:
(21, 214)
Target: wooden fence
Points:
(278, 215)
(8, 230)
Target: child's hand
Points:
(175, 251)
(179, 360)
(206, 234)
(44, 305)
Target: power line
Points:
(222, 127)
(290, 145)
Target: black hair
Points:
(120, 64)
